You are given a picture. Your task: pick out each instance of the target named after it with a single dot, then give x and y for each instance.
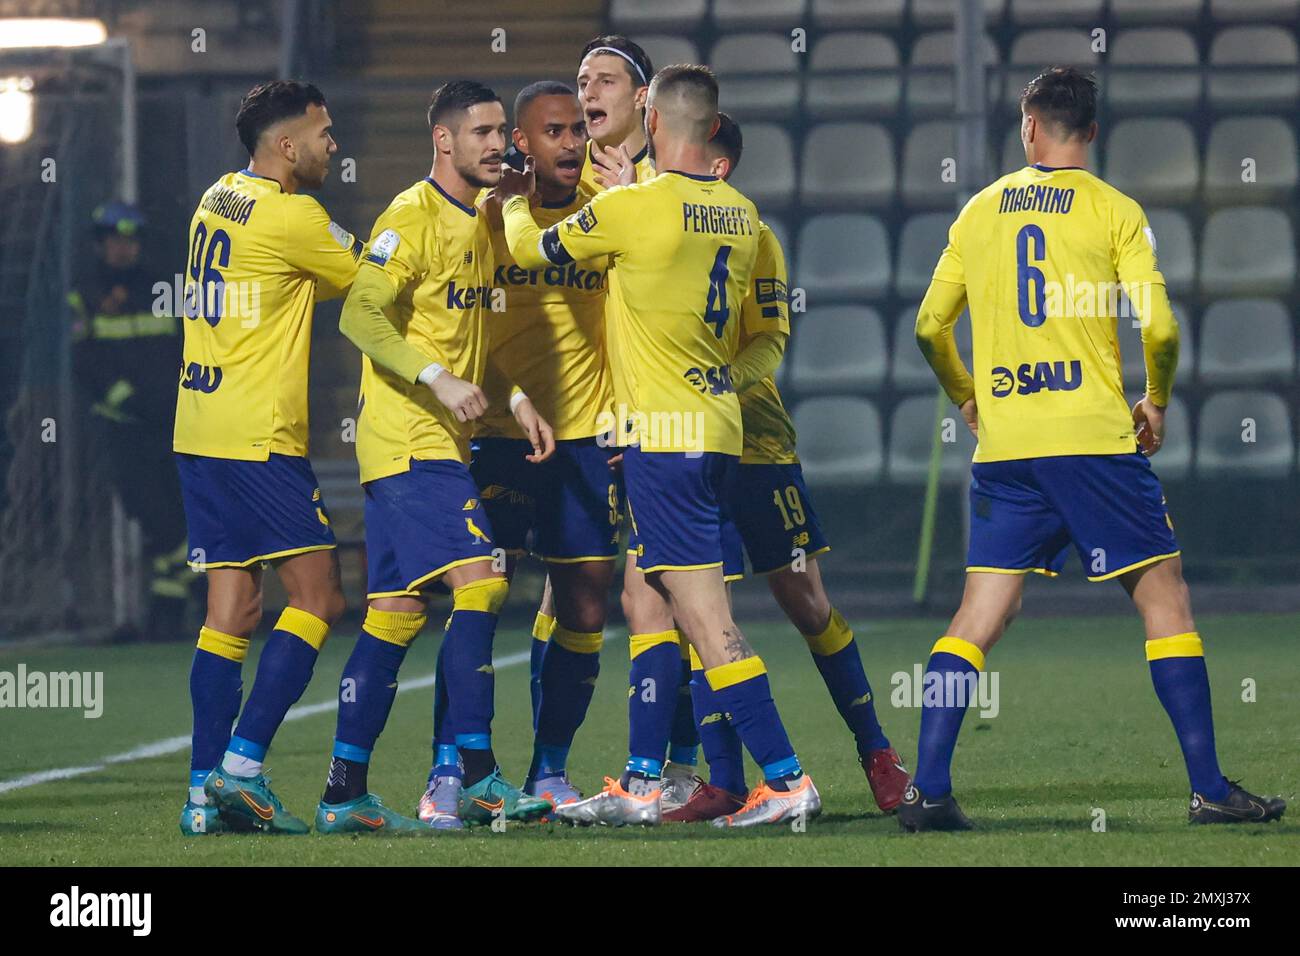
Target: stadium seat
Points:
(750, 14)
(943, 13)
(663, 50)
(847, 165)
(839, 93)
(1171, 84)
(838, 349)
(842, 256)
(677, 15)
(1126, 12)
(1132, 359)
(838, 14)
(839, 441)
(908, 369)
(911, 435)
(1269, 141)
(1247, 341)
(919, 246)
(1277, 86)
(930, 92)
(1013, 151)
(1033, 12)
(928, 146)
(767, 171)
(1175, 250)
(1153, 160)
(1035, 50)
(1255, 10)
(1174, 460)
(758, 75)
(1228, 419)
(1247, 251)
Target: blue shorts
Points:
(570, 503)
(1025, 514)
(678, 506)
(241, 512)
(420, 524)
(774, 515)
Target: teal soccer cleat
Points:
(366, 814)
(251, 800)
(494, 794)
(201, 820)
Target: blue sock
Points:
(568, 679)
(543, 626)
(467, 672)
(836, 654)
(718, 739)
(283, 672)
(652, 696)
(368, 686)
(952, 661)
(742, 688)
(216, 688)
(1183, 685)
(684, 739)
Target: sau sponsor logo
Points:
(714, 380)
(1036, 377)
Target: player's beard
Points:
(476, 174)
(313, 173)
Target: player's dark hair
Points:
(455, 97)
(694, 83)
(1063, 97)
(728, 139)
(267, 103)
(539, 89)
(640, 69)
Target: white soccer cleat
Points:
(679, 785)
(766, 805)
(616, 807)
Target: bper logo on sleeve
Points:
(585, 219)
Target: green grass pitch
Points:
(1080, 729)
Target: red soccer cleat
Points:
(888, 778)
(706, 803)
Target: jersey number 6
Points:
(1032, 311)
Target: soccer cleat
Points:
(556, 789)
(614, 807)
(440, 805)
(201, 820)
(766, 805)
(706, 803)
(250, 800)
(365, 814)
(918, 812)
(1239, 806)
(887, 777)
(494, 794)
(679, 783)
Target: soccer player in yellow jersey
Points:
(419, 311)
(550, 343)
(1038, 256)
(684, 245)
(261, 253)
(776, 521)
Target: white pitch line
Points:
(171, 745)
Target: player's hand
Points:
(1149, 422)
(616, 462)
(537, 429)
(516, 183)
(612, 167)
(464, 398)
(971, 415)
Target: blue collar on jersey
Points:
(1051, 169)
(566, 201)
(468, 210)
(248, 172)
(695, 176)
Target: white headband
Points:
(610, 49)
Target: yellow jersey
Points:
(437, 253)
(1043, 254)
(259, 259)
(769, 432)
(684, 248)
(622, 372)
(550, 341)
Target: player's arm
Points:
(320, 247)
(596, 229)
(764, 315)
(935, 320)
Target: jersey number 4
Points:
(207, 296)
(1031, 244)
(715, 307)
